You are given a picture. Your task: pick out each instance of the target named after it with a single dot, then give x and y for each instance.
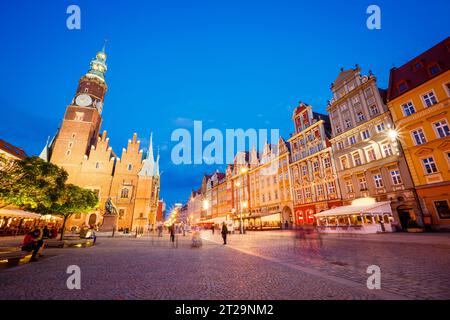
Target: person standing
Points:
(224, 232)
(172, 233)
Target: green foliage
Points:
(73, 199)
(30, 183)
(40, 186)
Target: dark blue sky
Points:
(231, 64)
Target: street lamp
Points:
(393, 135)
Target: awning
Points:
(359, 207)
(215, 220)
(272, 217)
(19, 213)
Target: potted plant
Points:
(413, 226)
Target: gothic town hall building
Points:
(132, 183)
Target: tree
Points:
(39, 186)
(73, 199)
(31, 182)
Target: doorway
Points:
(404, 216)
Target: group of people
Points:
(34, 241)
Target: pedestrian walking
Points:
(224, 232)
(160, 229)
(212, 229)
(172, 233)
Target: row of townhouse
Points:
(390, 145)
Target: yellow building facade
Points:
(419, 101)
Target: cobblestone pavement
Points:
(412, 266)
(253, 266)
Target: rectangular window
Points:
(368, 92)
(308, 192)
(331, 187)
(320, 190)
(340, 145)
(429, 165)
(344, 163)
(418, 137)
(365, 134)
(356, 159)
(360, 116)
(362, 183)
(352, 140)
(316, 166)
(374, 110)
(371, 154)
(304, 170)
(447, 88)
(348, 123)
(408, 109)
(298, 195)
(327, 162)
(349, 186)
(380, 127)
(442, 208)
(442, 128)
(387, 150)
(338, 129)
(395, 175)
(429, 99)
(378, 180)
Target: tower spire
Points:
(104, 46)
(148, 169)
(157, 164)
(98, 65)
(150, 148)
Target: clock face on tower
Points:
(83, 100)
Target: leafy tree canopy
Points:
(31, 182)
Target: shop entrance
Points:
(404, 216)
(287, 216)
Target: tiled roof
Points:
(13, 150)
(418, 70)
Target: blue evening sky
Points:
(231, 64)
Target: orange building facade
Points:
(314, 180)
(419, 101)
(130, 181)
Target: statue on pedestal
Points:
(110, 208)
(110, 216)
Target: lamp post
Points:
(393, 135)
(244, 203)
